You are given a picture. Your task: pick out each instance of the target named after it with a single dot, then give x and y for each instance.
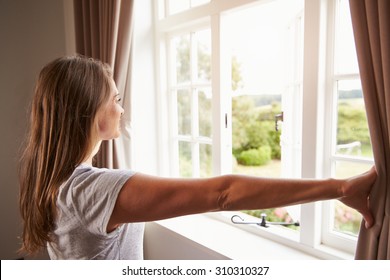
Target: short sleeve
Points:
(94, 195)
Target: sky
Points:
(258, 37)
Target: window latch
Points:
(236, 219)
(278, 117)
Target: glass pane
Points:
(185, 162)
(346, 219)
(204, 55)
(345, 51)
(256, 144)
(184, 112)
(181, 45)
(205, 114)
(205, 160)
(260, 42)
(353, 137)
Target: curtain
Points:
(371, 25)
(104, 31)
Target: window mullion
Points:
(194, 106)
(172, 108)
(312, 127)
(330, 125)
(195, 133)
(221, 111)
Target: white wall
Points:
(162, 243)
(31, 33)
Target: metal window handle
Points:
(236, 219)
(278, 117)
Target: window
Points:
(349, 147)
(266, 93)
(190, 96)
(221, 61)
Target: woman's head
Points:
(69, 95)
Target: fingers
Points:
(367, 216)
(357, 195)
(368, 220)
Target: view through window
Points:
(265, 51)
(255, 111)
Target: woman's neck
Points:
(89, 159)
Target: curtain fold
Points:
(371, 25)
(104, 31)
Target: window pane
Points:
(346, 169)
(262, 41)
(191, 83)
(185, 163)
(353, 136)
(181, 45)
(345, 51)
(184, 112)
(205, 160)
(346, 219)
(204, 55)
(205, 114)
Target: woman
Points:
(82, 212)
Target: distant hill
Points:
(348, 94)
(266, 99)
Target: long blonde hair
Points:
(68, 93)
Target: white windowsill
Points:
(206, 232)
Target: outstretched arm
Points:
(147, 198)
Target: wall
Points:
(32, 33)
(163, 243)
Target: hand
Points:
(356, 192)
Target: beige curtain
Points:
(371, 25)
(104, 31)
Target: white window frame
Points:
(194, 139)
(330, 237)
(318, 58)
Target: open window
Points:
(245, 84)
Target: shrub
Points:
(255, 157)
(254, 127)
(274, 141)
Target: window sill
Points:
(207, 237)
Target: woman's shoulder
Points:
(88, 170)
(87, 176)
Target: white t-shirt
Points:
(85, 203)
